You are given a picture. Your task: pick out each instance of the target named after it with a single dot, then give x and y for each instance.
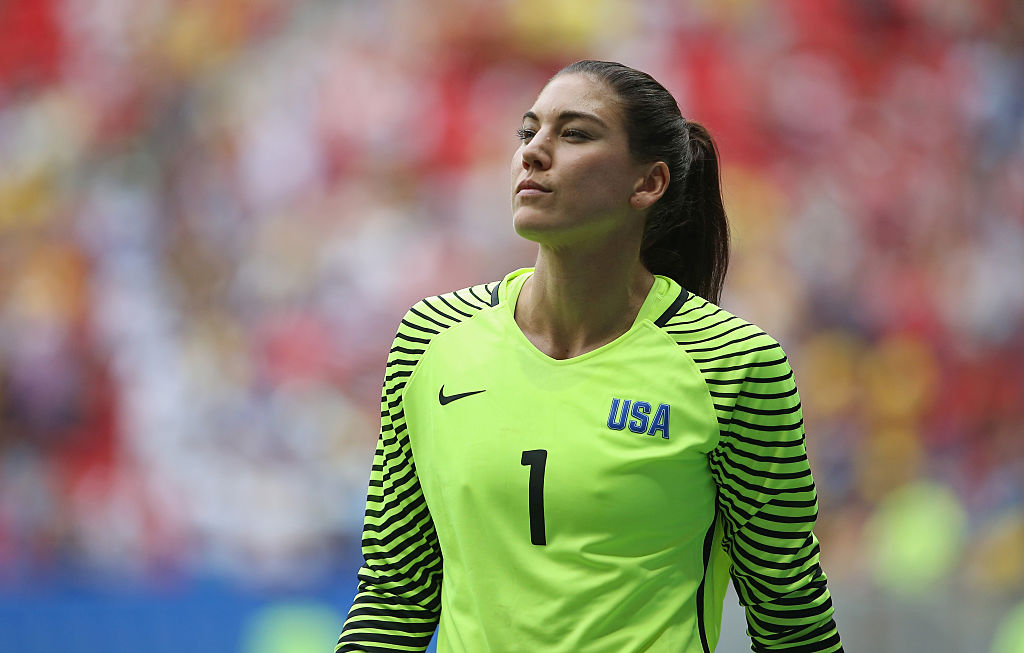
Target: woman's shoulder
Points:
(711, 333)
(435, 314)
(462, 302)
(459, 305)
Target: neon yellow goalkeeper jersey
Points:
(520, 503)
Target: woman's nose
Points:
(535, 154)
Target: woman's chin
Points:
(536, 226)
(559, 231)
(530, 227)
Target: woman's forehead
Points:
(573, 92)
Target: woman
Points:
(578, 457)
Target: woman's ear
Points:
(651, 186)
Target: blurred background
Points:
(214, 213)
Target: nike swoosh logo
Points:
(447, 399)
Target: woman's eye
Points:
(525, 134)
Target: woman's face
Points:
(573, 174)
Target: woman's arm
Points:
(768, 502)
(398, 601)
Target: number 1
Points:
(536, 459)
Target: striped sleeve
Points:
(398, 599)
(766, 495)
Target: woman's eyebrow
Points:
(568, 115)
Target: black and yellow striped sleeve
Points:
(397, 603)
(766, 496)
(769, 505)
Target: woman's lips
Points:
(529, 187)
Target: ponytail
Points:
(686, 237)
(687, 232)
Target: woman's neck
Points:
(577, 301)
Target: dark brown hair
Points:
(686, 237)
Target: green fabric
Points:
(645, 511)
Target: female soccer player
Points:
(576, 458)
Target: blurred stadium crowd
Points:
(212, 215)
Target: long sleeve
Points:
(397, 605)
(398, 602)
(768, 503)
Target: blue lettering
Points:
(641, 409)
(660, 422)
(617, 421)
